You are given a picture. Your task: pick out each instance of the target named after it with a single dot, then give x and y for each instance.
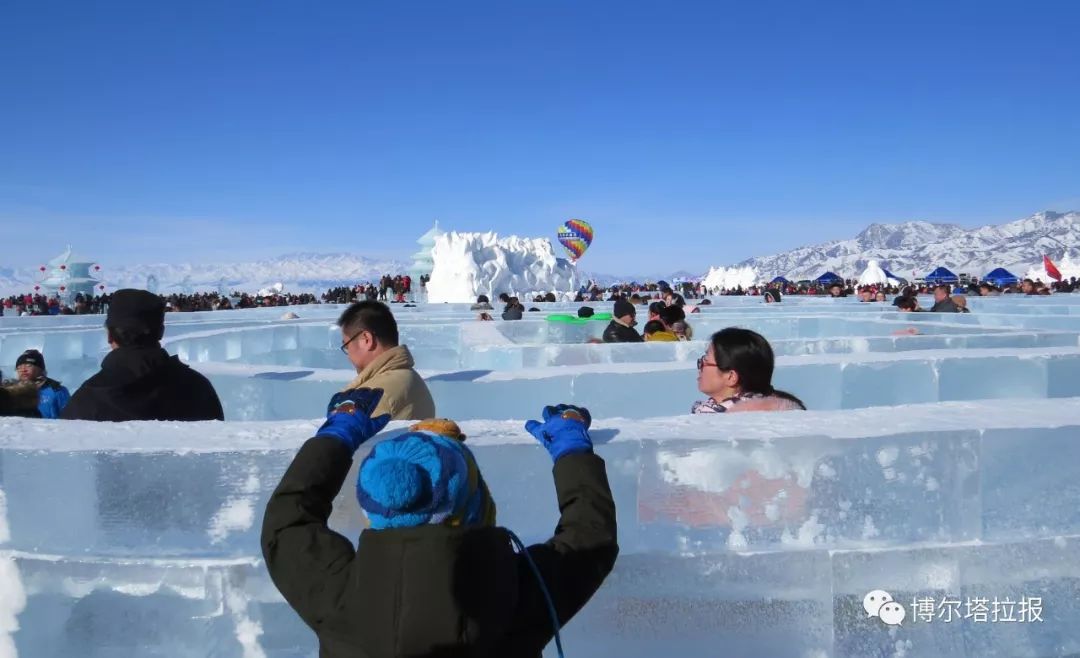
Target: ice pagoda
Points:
(423, 263)
(67, 276)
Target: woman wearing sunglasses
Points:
(736, 373)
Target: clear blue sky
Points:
(689, 134)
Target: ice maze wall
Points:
(935, 466)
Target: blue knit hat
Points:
(422, 477)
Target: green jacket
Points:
(432, 591)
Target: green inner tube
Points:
(573, 319)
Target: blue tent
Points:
(942, 275)
(1001, 277)
(892, 276)
(779, 279)
(829, 277)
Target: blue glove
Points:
(565, 430)
(348, 417)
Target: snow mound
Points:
(1067, 266)
(470, 264)
(730, 277)
(874, 275)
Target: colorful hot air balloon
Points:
(576, 235)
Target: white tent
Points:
(730, 277)
(873, 275)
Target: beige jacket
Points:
(405, 395)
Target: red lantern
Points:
(101, 287)
(42, 268)
(36, 288)
(63, 267)
(63, 288)
(97, 268)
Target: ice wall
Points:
(757, 533)
(472, 264)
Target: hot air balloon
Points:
(576, 235)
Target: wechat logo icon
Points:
(880, 604)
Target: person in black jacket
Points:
(138, 379)
(434, 576)
(943, 302)
(621, 328)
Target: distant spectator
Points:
(961, 303)
(514, 310)
(655, 331)
(736, 373)
(907, 304)
(943, 302)
(681, 330)
(585, 312)
(670, 315)
(482, 304)
(772, 296)
(672, 298)
(654, 310)
(621, 327)
(52, 396)
(837, 290)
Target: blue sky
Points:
(689, 134)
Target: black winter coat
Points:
(432, 591)
(946, 305)
(617, 333)
(144, 383)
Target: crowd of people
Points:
(879, 292)
(389, 289)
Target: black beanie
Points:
(623, 307)
(585, 312)
(33, 357)
(136, 309)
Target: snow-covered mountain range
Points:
(921, 246)
(299, 272)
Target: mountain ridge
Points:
(919, 247)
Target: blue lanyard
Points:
(543, 589)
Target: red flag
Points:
(1051, 269)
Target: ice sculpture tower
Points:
(423, 263)
(67, 276)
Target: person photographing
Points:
(434, 575)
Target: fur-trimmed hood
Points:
(19, 399)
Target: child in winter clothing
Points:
(434, 575)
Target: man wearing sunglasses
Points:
(369, 337)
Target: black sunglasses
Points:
(701, 363)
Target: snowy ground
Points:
(933, 466)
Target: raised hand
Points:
(348, 417)
(564, 430)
